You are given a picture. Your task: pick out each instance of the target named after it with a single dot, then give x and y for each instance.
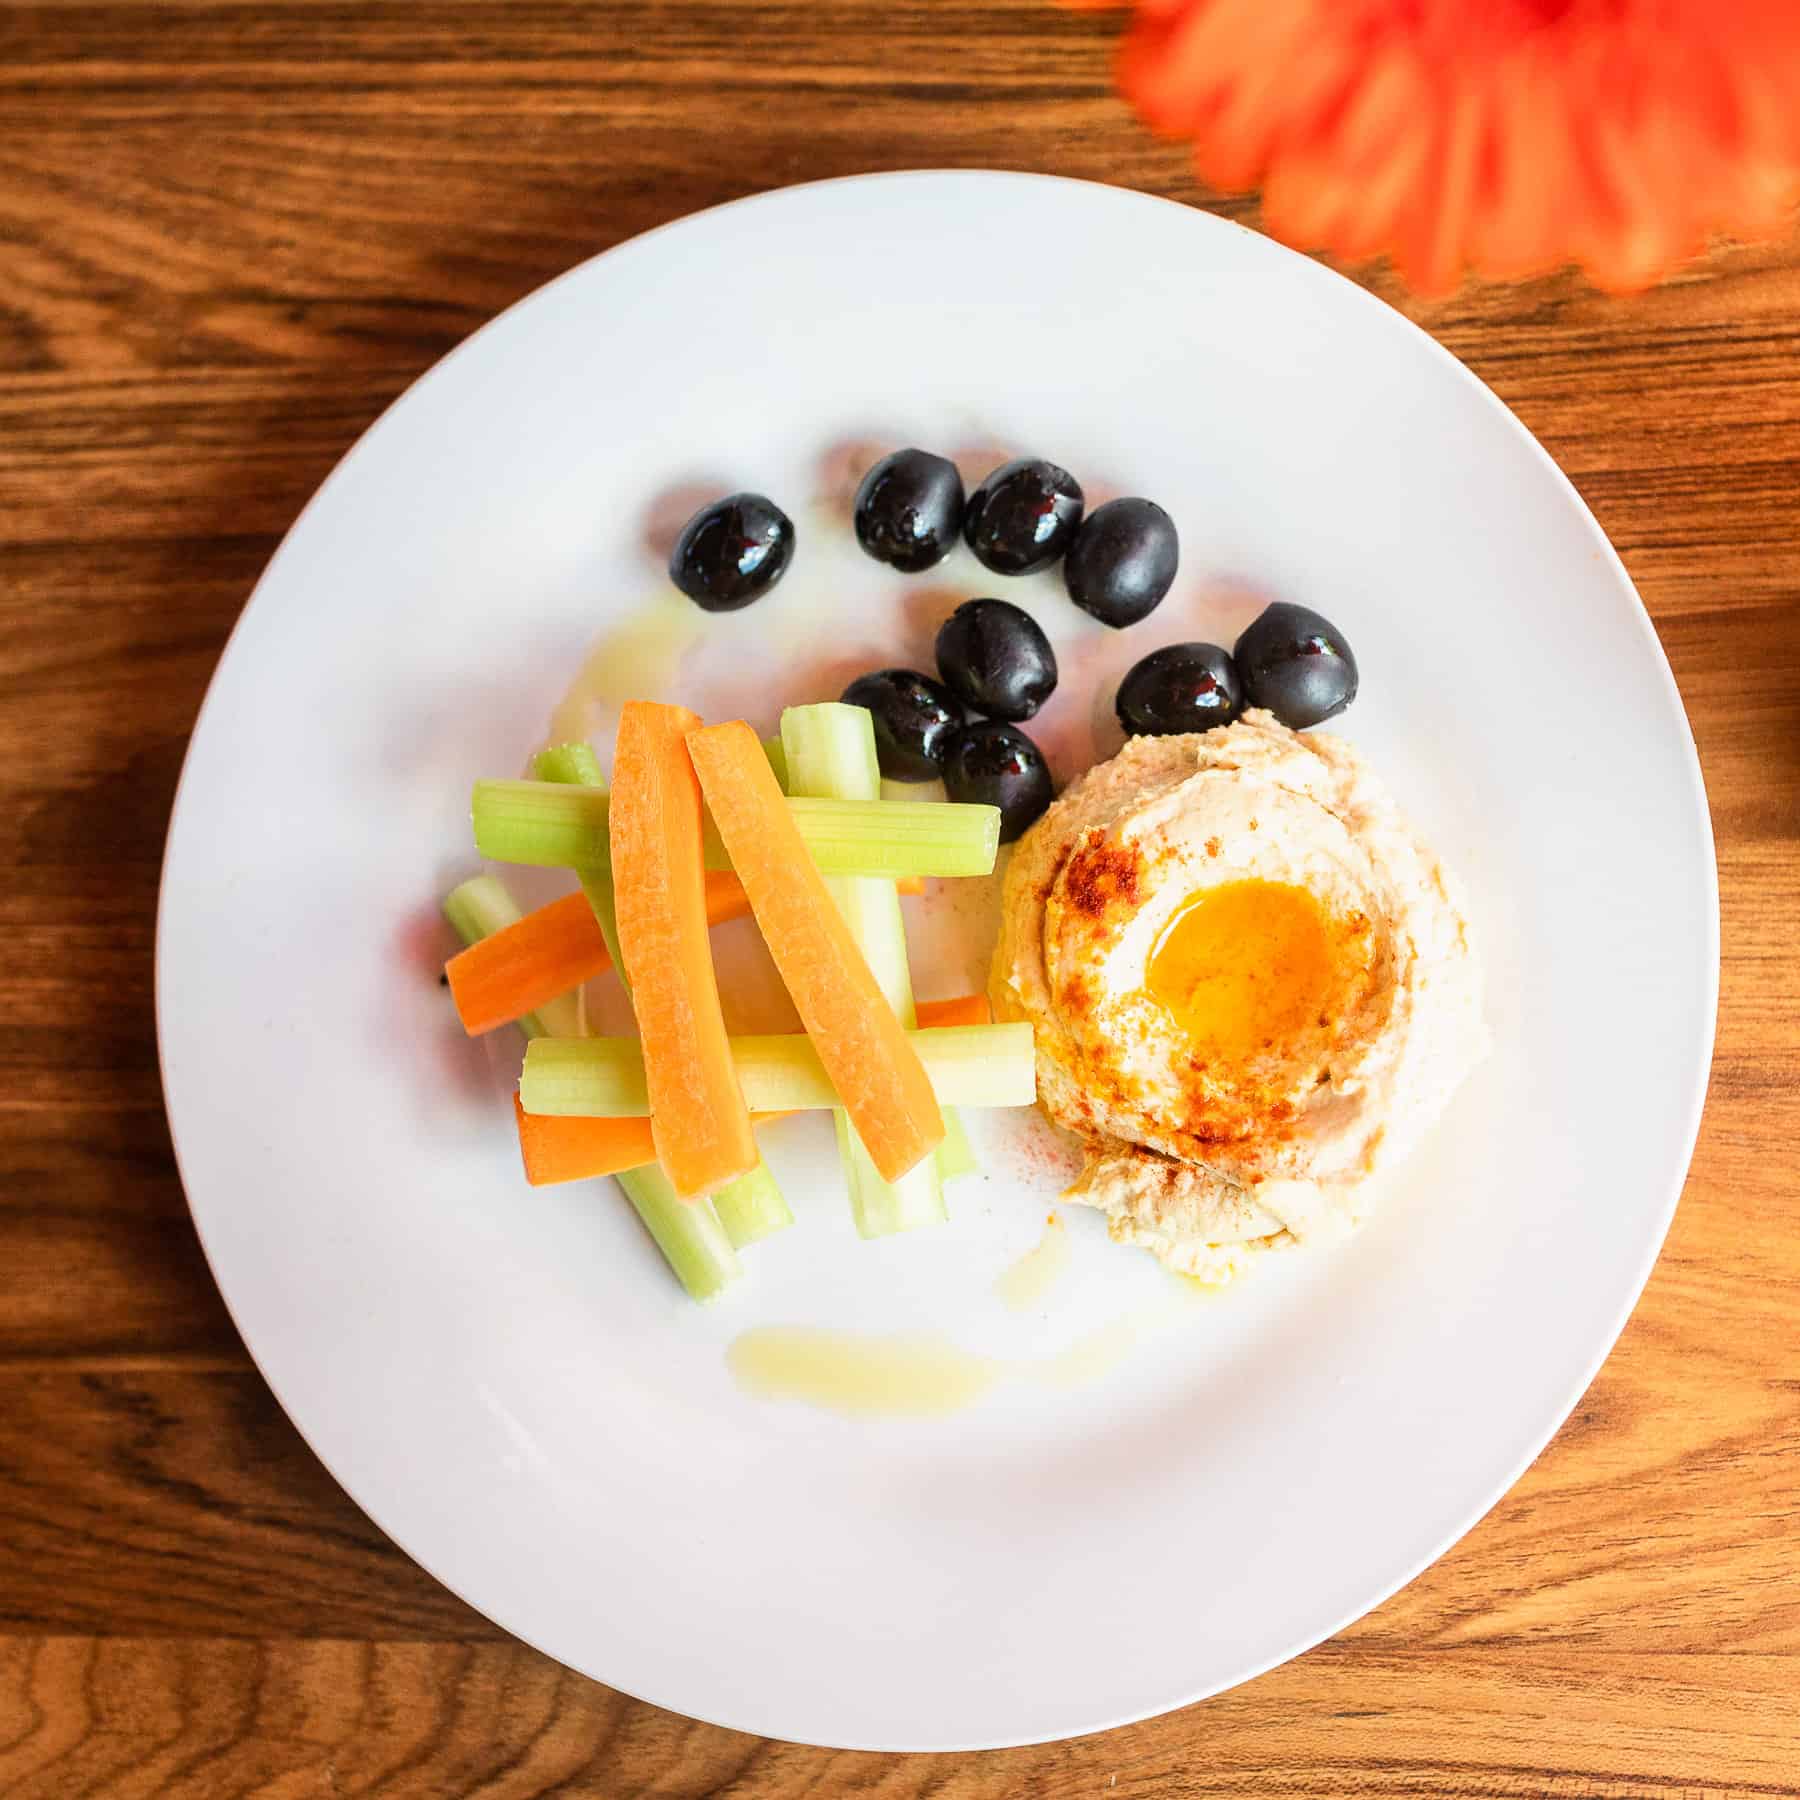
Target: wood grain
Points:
(229, 236)
(148, 1717)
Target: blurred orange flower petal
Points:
(1505, 136)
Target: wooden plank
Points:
(143, 1495)
(137, 1719)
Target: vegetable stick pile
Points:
(696, 830)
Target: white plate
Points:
(508, 1382)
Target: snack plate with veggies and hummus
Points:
(949, 1023)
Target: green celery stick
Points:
(597, 884)
(484, 905)
(849, 761)
(895, 838)
(479, 907)
(603, 1078)
(577, 763)
(569, 762)
(830, 752)
(541, 823)
(751, 1207)
(956, 1155)
(689, 1233)
(777, 755)
(550, 825)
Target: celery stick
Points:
(898, 838)
(969, 1065)
(597, 884)
(751, 1207)
(541, 823)
(569, 762)
(484, 905)
(830, 752)
(479, 907)
(955, 1155)
(603, 1078)
(577, 763)
(856, 776)
(606, 1085)
(550, 825)
(777, 755)
(689, 1233)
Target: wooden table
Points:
(230, 234)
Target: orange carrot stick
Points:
(860, 1041)
(573, 1149)
(550, 951)
(565, 1149)
(964, 1009)
(515, 971)
(697, 1112)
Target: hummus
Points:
(1252, 987)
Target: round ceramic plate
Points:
(1155, 1499)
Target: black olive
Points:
(909, 510)
(1022, 517)
(915, 720)
(995, 659)
(1123, 561)
(995, 764)
(732, 552)
(1297, 664)
(1181, 687)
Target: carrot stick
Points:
(564, 1149)
(556, 1150)
(546, 953)
(550, 951)
(697, 1112)
(860, 1041)
(964, 1009)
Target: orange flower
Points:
(1508, 136)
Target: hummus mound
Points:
(1252, 986)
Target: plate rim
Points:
(995, 178)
